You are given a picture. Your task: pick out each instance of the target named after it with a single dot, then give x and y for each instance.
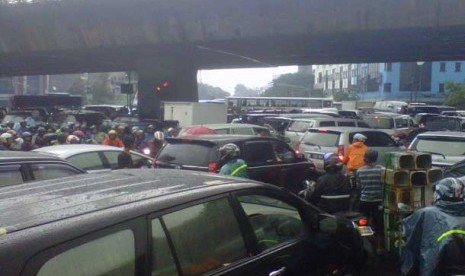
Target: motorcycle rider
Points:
(435, 242)
(233, 165)
(353, 158)
(332, 190)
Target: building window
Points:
(442, 67)
(441, 88)
(387, 87)
(388, 67)
(458, 67)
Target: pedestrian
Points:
(112, 139)
(124, 158)
(353, 158)
(39, 138)
(233, 164)
(435, 235)
(370, 190)
(27, 144)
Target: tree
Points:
(455, 95)
(291, 85)
(208, 92)
(345, 97)
(100, 89)
(242, 91)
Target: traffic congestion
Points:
(320, 191)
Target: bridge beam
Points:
(181, 76)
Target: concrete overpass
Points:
(173, 39)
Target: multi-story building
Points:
(408, 81)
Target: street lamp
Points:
(419, 67)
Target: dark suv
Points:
(269, 160)
(169, 222)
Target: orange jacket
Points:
(115, 142)
(354, 156)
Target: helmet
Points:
(72, 139)
(6, 135)
(332, 162)
(229, 151)
(112, 132)
(449, 189)
(79, 134)
(27, 134)
(360, 137)
(159, 135)
(41, 130)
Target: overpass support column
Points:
(180, 77)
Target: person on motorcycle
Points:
(353, 158)
(332, 190)
(435, 235)
(233, 165)
(370, 190)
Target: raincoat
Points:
(354, 156)
(435, 237)
(235, 167)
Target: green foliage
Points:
(291, 85)
(99, 88)
(345, 97)
(242, 91)
(208, 92)
(456, 95)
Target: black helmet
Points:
(332, 162)
(229, 151)
(371, 156)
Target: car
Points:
(94, 158)
(110, 111)
(238, 129)
(269, 160)
(392, 124)
(413, 110)
(298, 127)
(79, 117)
(318, 141)
(169, 222)
(17, 167)
(436, 122)
(446, 147)
(391, 106)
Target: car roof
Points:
(37, 203)
(387, 115)
(218, 126)
(442, 134)
(64, 151)
(220, 138)
(347, 129)
(328, 119)
(7, 156)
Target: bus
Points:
(239, 105)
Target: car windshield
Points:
(324, 139)
(443, 123)
(380, 123)
(188, 154)
(13, 118)
(443, 145)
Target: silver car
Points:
(94, 158)
(319, 141)
(447, 147)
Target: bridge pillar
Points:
(180, 77)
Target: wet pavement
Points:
(385, 265)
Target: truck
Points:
(194, 113)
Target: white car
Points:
(94, 158)
(446, 147)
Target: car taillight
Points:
(362, 221)
(296, 149)
(340, 151)
(212, 167)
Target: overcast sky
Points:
(227, 79)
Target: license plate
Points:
(316, 156)
(365, 231)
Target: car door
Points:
(90, 161)
(379, 141)
(261, 161)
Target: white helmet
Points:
(360, 137)
(159, 135)
(229, 151)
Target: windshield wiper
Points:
(437, 153)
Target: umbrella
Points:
(199, 130)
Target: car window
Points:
(327, 123)
(346, 124)
(140, 161)
(222, 131)
(401, 122)
(259, 153)
(10, 175)
(112, 159)
(188, 154)
(162, 257)
(380, 122)
(363, 124)
(375, 139)
(205, 236)
(51, 171)
(284, 153)
(261, 131)
(243, 131)
(321, 138)
(273, 221)
(300, 126)
(87, 161)
(443, 123)
(113, 254)
(443, 145)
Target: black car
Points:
(168, 222)
(19, 167)
(269, 160)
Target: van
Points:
(390, 106)
(169, 222)
(298, 127)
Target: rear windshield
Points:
(324, 139)
(380, 123)
(443, 145)
(188, 154)
(300, 126)
(443, 123)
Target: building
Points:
(407, 81)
